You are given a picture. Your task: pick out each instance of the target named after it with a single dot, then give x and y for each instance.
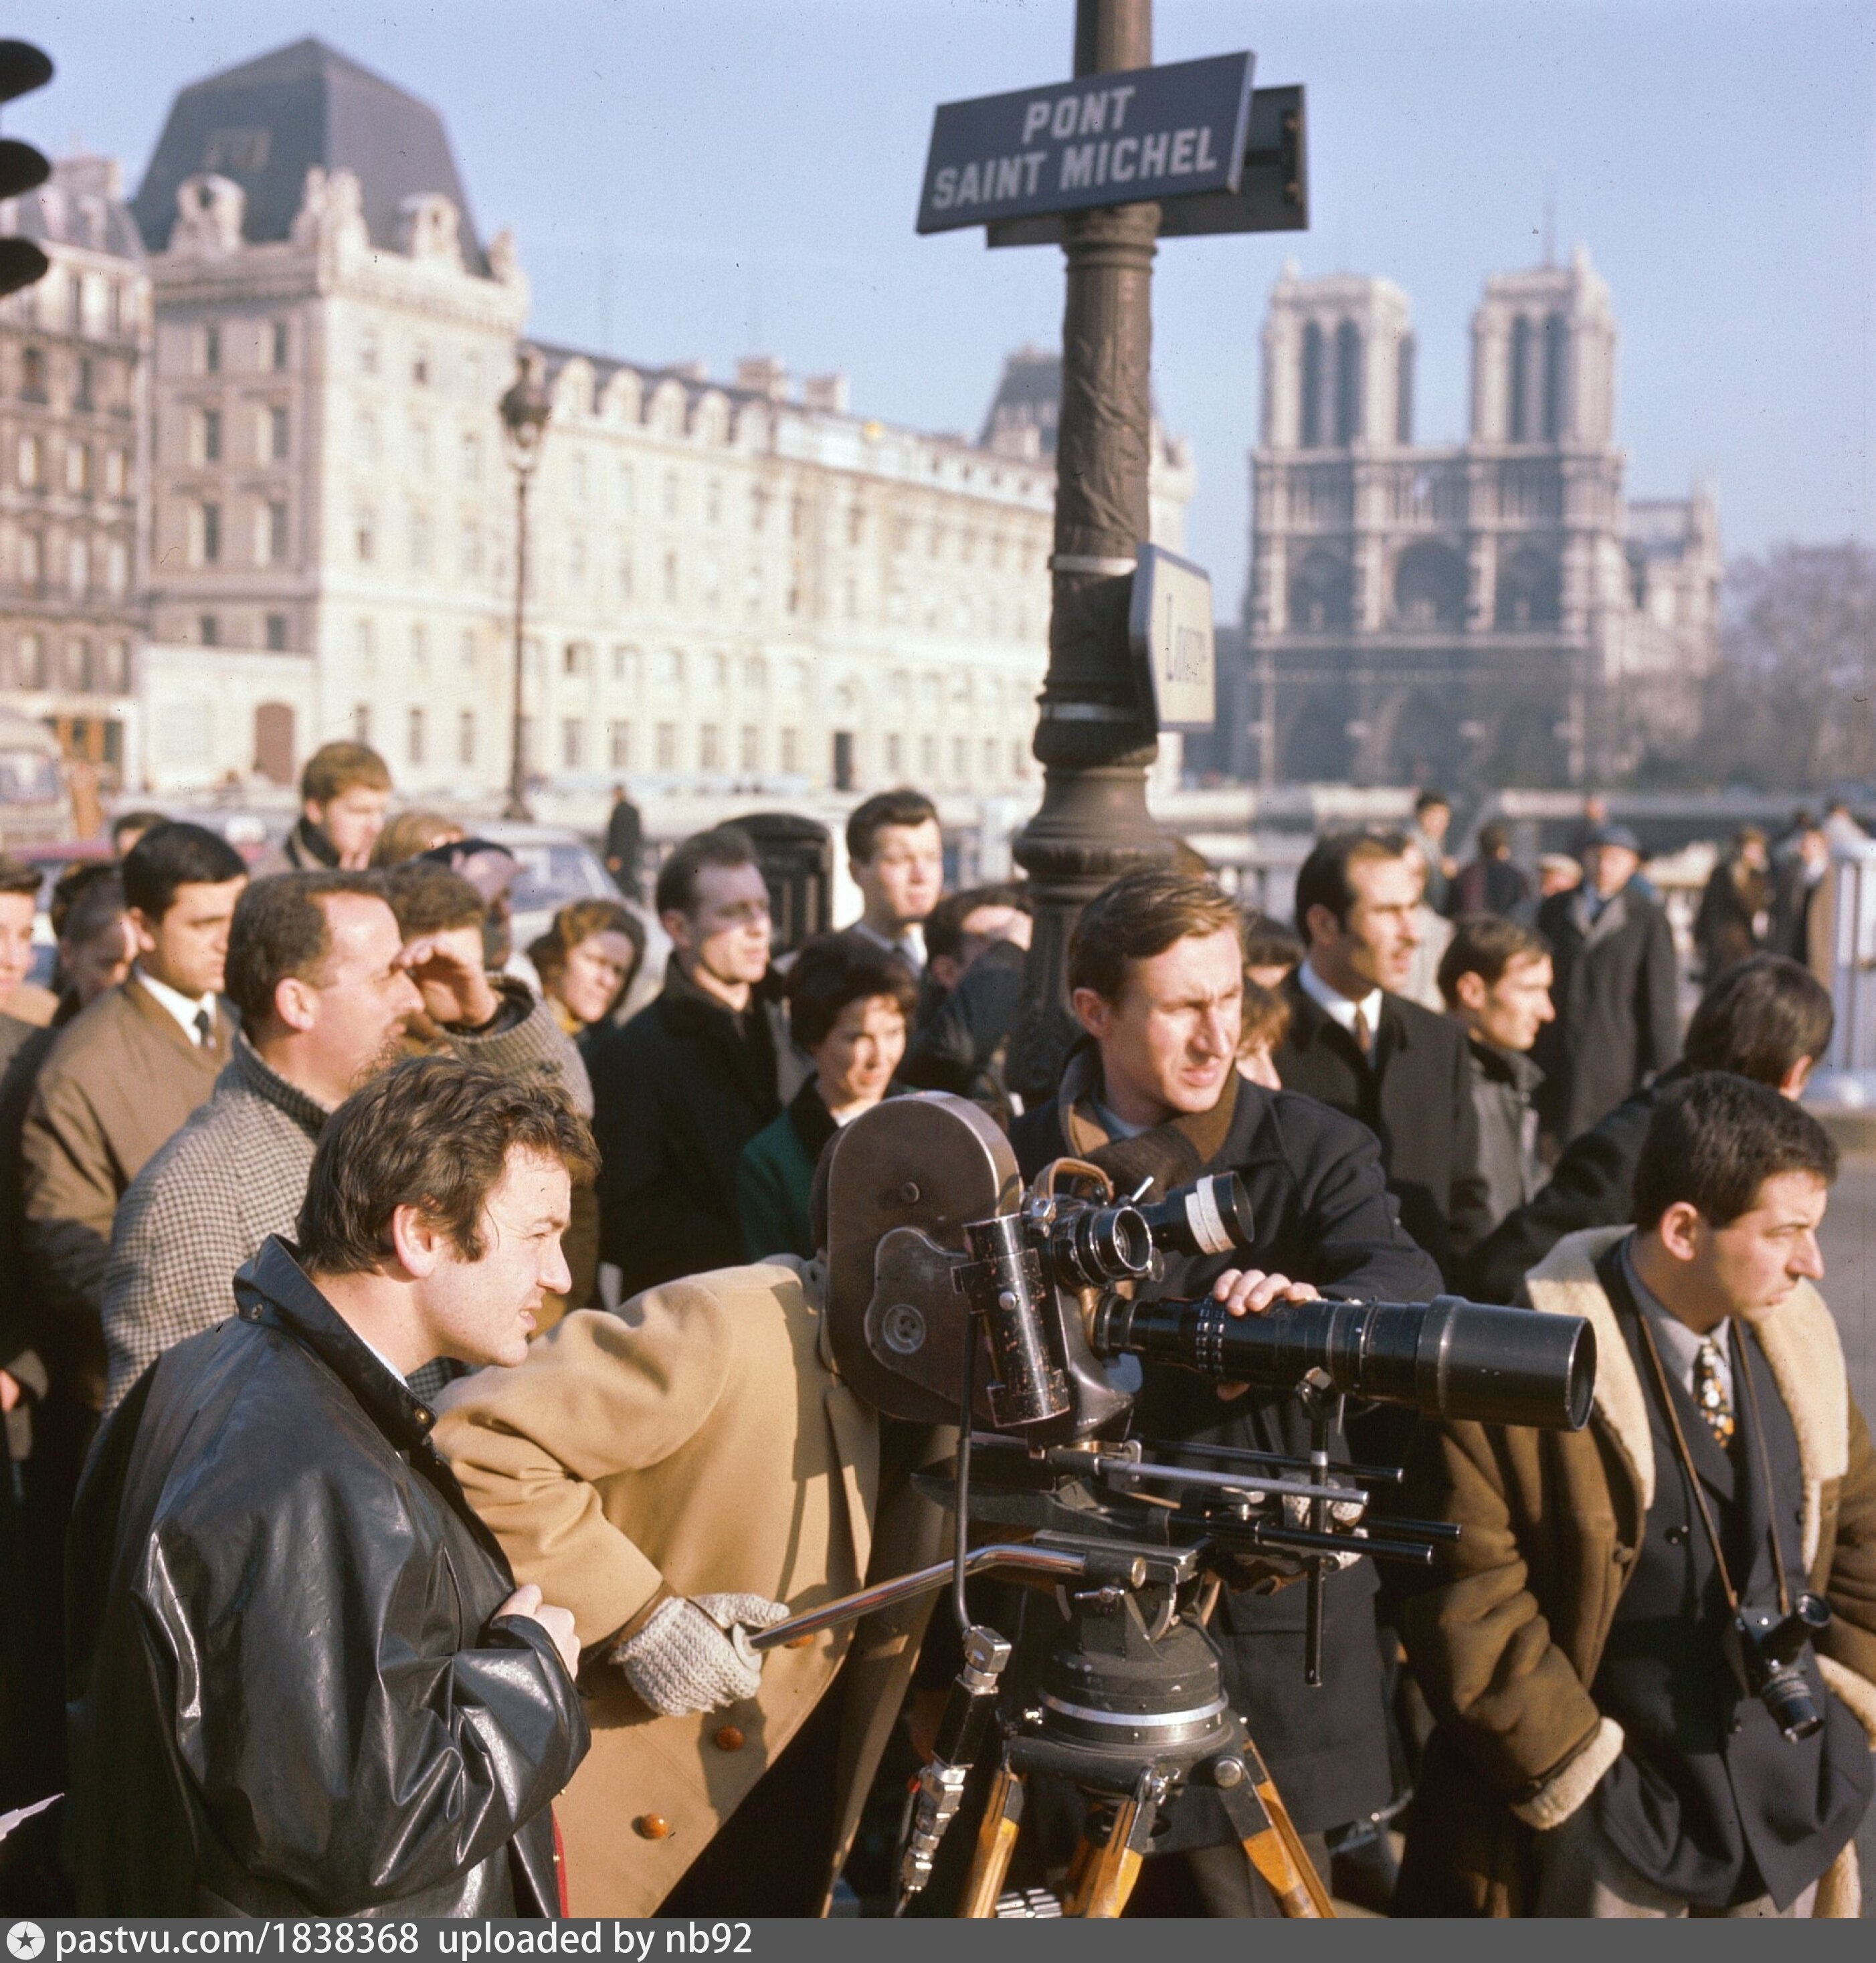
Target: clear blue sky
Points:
(704, 178)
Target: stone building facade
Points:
(739, 583)
(1494, 611)
(74, 373)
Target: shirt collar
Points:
(1679, 1345)
(910, 946)
(184, 1008)
(1335, 1005)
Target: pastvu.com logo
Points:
(26, 1940)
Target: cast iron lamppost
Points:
(1092, 739)
(525, 410)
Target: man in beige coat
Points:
(123, 1076)
(699, 1444)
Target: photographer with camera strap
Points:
(1155, 974)
(1652, 1651)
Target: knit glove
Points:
(694, 1653)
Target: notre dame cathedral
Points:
(1492, 612)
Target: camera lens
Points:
(1100, 1245)
(1786, 1695)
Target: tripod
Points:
(1131, 1714)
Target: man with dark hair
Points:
(1618, 1016)
(328, 980)
(129, 826)
(1491, 884)
(683, 1087)
(849, 1004)
(1768, 1019)
(304, 1681)
(896, 856)
(625, 839)
(977, 953)
(345, 792)
(1359, 1046)
(121, 1079)
(1496, 978)
(1433, 820)
(1605, 1746)
(1153, 1094)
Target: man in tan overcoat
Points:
(1597, 1753)
(699, 1444)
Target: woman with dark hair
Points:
(849, 1004)
(587, 961)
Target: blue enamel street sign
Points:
(1128, 137)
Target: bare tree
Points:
(1792, 703)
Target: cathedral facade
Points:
(1492, 612)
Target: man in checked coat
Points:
(324, 982)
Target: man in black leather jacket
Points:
(1155, 974)
(303, 1682)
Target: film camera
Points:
(957, 1296)
(1768, 1649)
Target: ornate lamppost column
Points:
(1092, 739)
(525, 410)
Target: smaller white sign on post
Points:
(1171, 627)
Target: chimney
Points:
(763, 375)
(830, 393)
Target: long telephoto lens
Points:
(1096, 1246)
(1211, 1216)
(1448, 1358)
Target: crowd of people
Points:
(416, 1396)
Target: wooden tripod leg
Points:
(1270, 1840)
(1114, 1869)
(996, 1842)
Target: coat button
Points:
(651, 1826)
(729, 1738)
(1675, 1536)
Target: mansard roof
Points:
(266, 123)
(81, 205)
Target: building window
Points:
(277, 533)
(276, 633)
(420, 650)
(671, 577)
(209, 628)
(32, 558)
(713, 502)
(960, 764)
(1553, 348)
(1347, 382)
(368, 362)
(414, 747)
(710, 747)
(576, 563)
(367, 429)
(276, 434)
(280, 346)
(626, 487)
(894, 756)
(1018, 758)
(117, 564)
(211, 351)
(420, 541)
(361, 722)
(618, 745)
(83, 400)
(928, 758)
(472, 551)
(365, 536)
(420, 367)
(31, 461)
(210, 519)
(1520, 380)
(624, 569)
(465, 737)
(667, 746)
(572, 742)
(670, 493)
(362, 648)
(211, 436)
(116, 666)
(472, 457)
(619, 657)
(749, 755)
(1309, 434)
(29, 667)
(573, 659)
(79, 567)
(1403, 390)
(471, 660)
(791, 750)
(116, 473)
(33, 375)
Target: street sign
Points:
(1130, 136)
(1272, 194)
(1170, 624)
